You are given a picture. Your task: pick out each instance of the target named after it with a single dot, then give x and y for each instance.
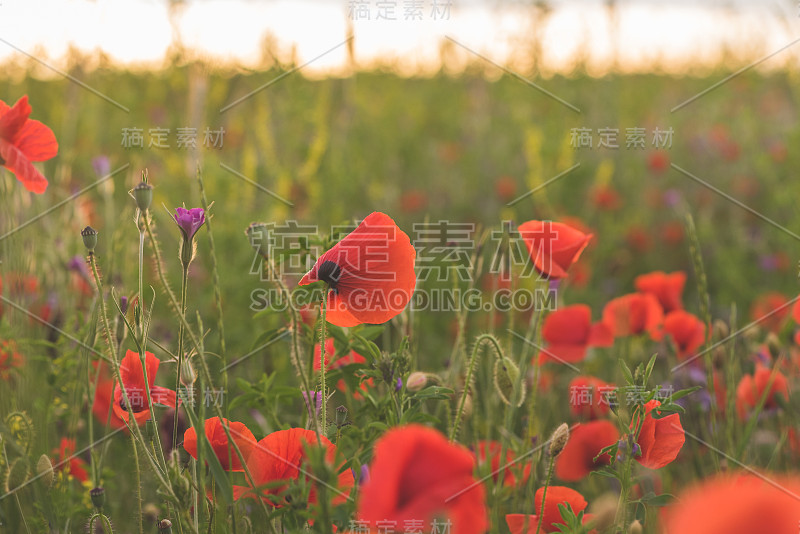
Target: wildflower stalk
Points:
(323, 423)
(104, 523)
(480, 341)
(544, 492)
(112, 349)
(184, 283)
(136, 432)
(214, 277)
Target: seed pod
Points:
(98, 496)
(89, 236)
(143, 194)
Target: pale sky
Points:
(139, 31)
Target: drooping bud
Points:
(559, 440)
(98, 496)
(143, 194)
(17, 474)
(44, 469)
(89, 236)
(188, 374)
(506, 379)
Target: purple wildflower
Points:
(101, 166)
(189, 221)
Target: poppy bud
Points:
(635, 528)
(506, 378)
(188, 374)
(258, 234)
(17, 474)
(44, 468)
(89, 236)
(143, 194)
(150, 429)
(341, 416)
(721, 330)
(98, 496)
(559, 440)
(416, 381)
(165, 525)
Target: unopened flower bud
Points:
(635, 527)
(89, 236)
(416, 381)
(398, 385)
(340, 416)
(188, 374)
(17, 474)
(165, 526)
(143, 194)
(44, 468)
(506, 380)
(123, 304)
(559, 440)
(258, 234)
(98, 496)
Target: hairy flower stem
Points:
(134, 429)
(184, 283)
(323, 422)
(622, 506)
(544, 492)
(483, 339)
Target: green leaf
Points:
(626, 371)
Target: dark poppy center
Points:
(330, 272)
(137, 405)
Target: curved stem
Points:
(480, 341)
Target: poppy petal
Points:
(15, 161)
(36, 141)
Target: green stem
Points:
(481, 340)
(323, 422)
(138, 482)
(544, 493)
(184, 282)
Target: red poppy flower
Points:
(133, 380)
(660, 439)
(658, 161)
(68, 463)
(606, 197)
(416, 474)
(687, 332)
(741, 504)
(667, 288)
(370, 273)
(491, 449)
(633, 314)
(587, 397)
(103, 398)
(505, 187)
(23, 140)
(556, 495)
(752, 387)
(553, 246)
(638, 239)
(281, 456)
(9, 358)
(585, 442)
(770, 310)
(344, 361)
(569, 332)
(226, 454)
